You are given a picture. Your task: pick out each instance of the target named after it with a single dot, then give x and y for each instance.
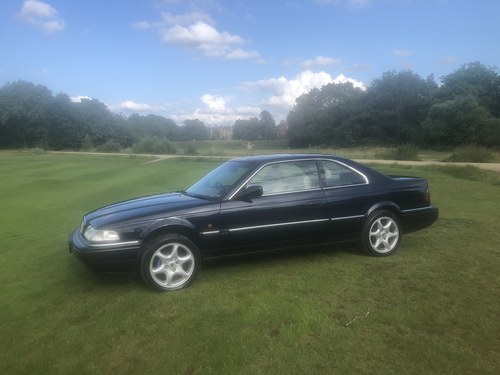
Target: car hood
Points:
(144, 208)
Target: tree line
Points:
(397, 108)
(30, 116)
(401, 107)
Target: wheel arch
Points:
(172, 225)
(385, 206)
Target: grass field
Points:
(433, 307)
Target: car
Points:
(253, 204)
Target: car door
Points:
(289, 212)
(349, 195)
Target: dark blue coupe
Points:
(251, 204)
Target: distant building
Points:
(221, 132)
(282, 129)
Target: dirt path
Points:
(488, 166)
(495, 167)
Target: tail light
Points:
(427, 196)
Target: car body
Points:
(250, 204)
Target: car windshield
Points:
(218, 182)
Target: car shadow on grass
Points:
(295, 254)
(89, 278)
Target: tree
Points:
(466, 108)
(24, 114)
(461, 121)
(153, 126)
(66, 129)
(267, 126)
(398, 104)
(319, 116)
(476, 80)
(194, 130)
(255, 129)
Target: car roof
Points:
(283, 157)
(258, 160)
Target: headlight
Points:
(99, 235)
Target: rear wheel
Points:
(382, 234)
(170, 262)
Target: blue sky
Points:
(222, 60)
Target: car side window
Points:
(335, 174)
(287, 177)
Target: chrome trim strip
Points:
(347, 217)
(367, 181)
(291, 192)
(107, 244)
(210, 232)
(278, 225)
(284, 224)
(418, 209)
(344, 186)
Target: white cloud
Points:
(199, 34)
(130, 105)
(42, 16)
(79, 98)
(187, 19)
(241, 54)
(285, 91)
(277, 95)
(248, 111)
(214, 103)
(216, 111)
(319, 61)
(197, 30)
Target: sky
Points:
(223, 60)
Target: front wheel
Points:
(382, 234)
(170, 262)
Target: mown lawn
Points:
(433, 307)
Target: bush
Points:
(407, 151)
(152, 145)
(191, 150)
(471, 154)
(109, 146)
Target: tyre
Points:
(381, 234)
(170, 262)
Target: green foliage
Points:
(470, 173)
(109, 146)
(153, 126)
(402, 108)
(325, 116)
(471, 154)
(30, 116)
(153, 145)
(255, 129)
(191, 149)
(284, 313)
(87, 144)
(397, 108)
(194, 130)
(408, 151)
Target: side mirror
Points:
(250, 193)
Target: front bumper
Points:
(121, 256)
